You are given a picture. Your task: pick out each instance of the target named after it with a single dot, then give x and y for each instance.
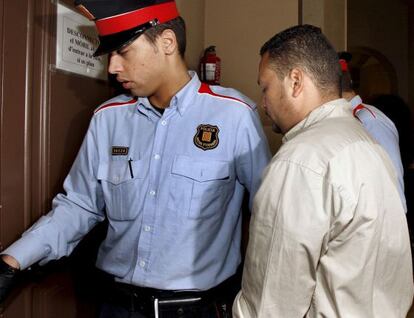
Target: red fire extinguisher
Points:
(210, 66)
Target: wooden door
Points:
(43, 116)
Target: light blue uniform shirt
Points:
(383, 130)
(171, 186)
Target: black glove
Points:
(8, 278)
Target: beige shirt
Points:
(328, 236)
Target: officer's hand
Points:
(8, 275)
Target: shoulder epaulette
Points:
(360, 107)
(205, 89)
(116, 104)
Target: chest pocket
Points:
(201, 187)
(123, 189)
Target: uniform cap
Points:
(119, 22)
(344, 65)
(344, 59)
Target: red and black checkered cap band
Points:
(114, 16)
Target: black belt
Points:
(151, 301)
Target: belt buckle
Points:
(156, 313)
(158, 302)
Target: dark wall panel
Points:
(15, 122)
(44, 116)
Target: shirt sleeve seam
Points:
(322, 175)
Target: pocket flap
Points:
(201, 170)
(120, 171)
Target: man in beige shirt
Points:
(328, 236)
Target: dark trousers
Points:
(113, 311)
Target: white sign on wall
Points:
(76, 40)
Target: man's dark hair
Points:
(306, 47)
(177, 25)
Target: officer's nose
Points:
(115, 65)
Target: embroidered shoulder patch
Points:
(206, 137)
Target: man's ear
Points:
(168, 42)
(296, 81)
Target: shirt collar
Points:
(355, 101)
(181, 100)
(317, 115)
(145, 108)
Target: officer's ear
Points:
(168, 42)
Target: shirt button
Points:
(142, 264)
(157, 157)
(152, 192)
(147, 228)
(164, 122)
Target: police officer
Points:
(376, 123)
(166, 165)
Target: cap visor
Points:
(113, 42)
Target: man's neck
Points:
(316, 100)
(348, 95)
(175, 80)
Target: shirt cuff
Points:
(27, 250)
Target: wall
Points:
(330, 16)
(193, 14)
(411, 55)
(239, 28)
(382, 25)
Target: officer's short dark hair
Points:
(306, 47)
(177, 25)
(346, 82)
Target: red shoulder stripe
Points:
(205, 89)
(358, 108)
(115, 104)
